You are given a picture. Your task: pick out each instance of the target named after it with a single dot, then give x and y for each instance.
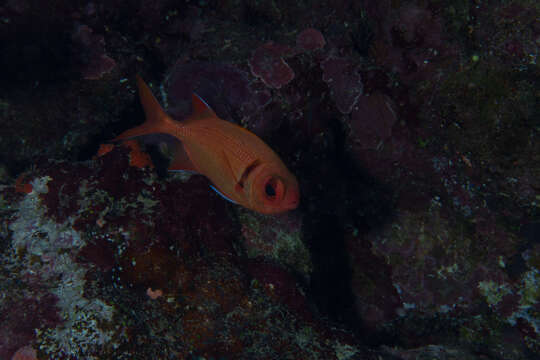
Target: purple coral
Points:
(267, 64)
(310, 39)
(224, 87)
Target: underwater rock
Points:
(92, 238)
(94, 62)
(372, 119)
(345, 82)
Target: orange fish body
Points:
(239, 164)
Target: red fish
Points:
(242, 168)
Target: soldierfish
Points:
(240, 165)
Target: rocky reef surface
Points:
(412, 127)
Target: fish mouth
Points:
(292, 198)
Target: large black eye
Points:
(270, 190)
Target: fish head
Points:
(273, 189)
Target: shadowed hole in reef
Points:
(338, 196)
(364, 204)
(330, 286)
(37, 54)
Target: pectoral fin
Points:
(181, 161)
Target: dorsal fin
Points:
(200, 108)
(157, 120)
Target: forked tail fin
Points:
(157, 120)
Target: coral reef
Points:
(412, 128)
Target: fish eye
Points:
(273, 188)
(269, 190)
